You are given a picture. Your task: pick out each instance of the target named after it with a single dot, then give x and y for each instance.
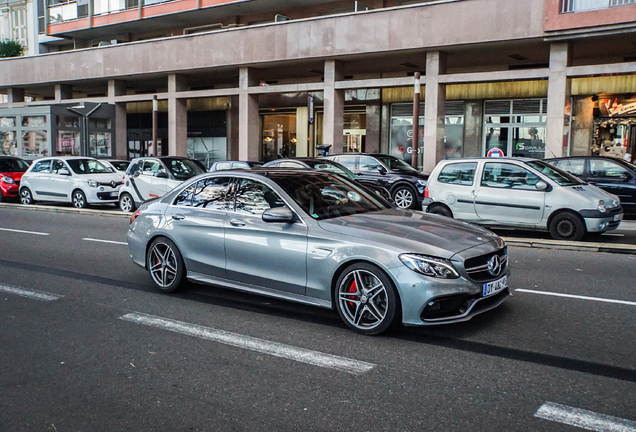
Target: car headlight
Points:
(8, 180)
(92, 183)
(601, 206)
(430, 266)
(421, 182)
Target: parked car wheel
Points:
(441, 210)
(126, 203)
(165, 264)
(79, 199)
(367, 300)
(404, 197)
(25, 196)
(567, 226)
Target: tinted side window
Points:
(367, 163)
(57, 166)
(607, 169)
(504, 175)
(184, 199)
(135, 168)
(458, 173)
(573, 166)
(151, 167)
(254, 197)
(348, 161)
(223, 166)
(212, 193)
(289, 164)
(41, 166)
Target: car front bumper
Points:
(102, 195)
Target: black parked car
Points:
(405, 183)
(329, 165)
(613, 175)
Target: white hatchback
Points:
(78, 180)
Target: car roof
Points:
(508, 159)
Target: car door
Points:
(614, 178)
(61, 181)
(456, 188)
(371, 170)
(506, 194)
(196, 218)
(269, 255)
(148, 183)
(38, 179)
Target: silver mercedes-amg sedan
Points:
(318, 238)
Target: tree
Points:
(11, 48)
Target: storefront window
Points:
(33, 121)
(99, 144)
(354, 132)
(279, 136)
(68, 143)
(529, 142)
(497, 138)
(7, 121)
(207, 150)
(99, 123)
(67, 121)
(34, 144)
(8, 143)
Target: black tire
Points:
(26, 197)
(79, 199)
(165, 264)
(567, 226)
(367, 312)
(127, 203)
(404, 197)
(441, 210)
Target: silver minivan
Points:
(522, 193)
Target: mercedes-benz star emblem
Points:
(494, 265)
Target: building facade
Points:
(261, 79)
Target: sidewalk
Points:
(619, 248)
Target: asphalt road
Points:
(100, 349)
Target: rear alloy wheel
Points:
(404, 197)
(126, 203)
(25, 196)
(79, 199)
(165, 265)
(567, 226)
(366, 299)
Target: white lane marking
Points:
(105, 241)
(615, 235)
(583, 418)
(599, 299)
(260, 345)
(37, 295)
(24, 232)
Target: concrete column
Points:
(118, 88)
(15, 95)
(177, 116)
(62, 92)
(559, 90)
(248, 117)
(232, 133)
(473, 127)
(334, 107)
(372, 139)
(302, 131)
(434, 111)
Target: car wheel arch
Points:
(571, 212)
(439, 205)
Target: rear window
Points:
(458, 173)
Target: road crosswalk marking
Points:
(584, 419)
(37, 295)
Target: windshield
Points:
(120, 165)
(560, 177)
(333, 167)
(396, 164)
(326, 196)
(88, 166)
(13, 165)
(183, 169)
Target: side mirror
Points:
(541, 186)
(625, 177)
(64, 172)
(161, 174)
(381, 169)
(278, 214)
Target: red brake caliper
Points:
(353, 288)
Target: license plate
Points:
(114, 194)
(494, 287)
(618, 217)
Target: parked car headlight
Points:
(601, 206)
(421, 182)
(8, 180)
(429, 266)
(92, 183)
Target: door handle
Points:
(237, 222)
(178, 217)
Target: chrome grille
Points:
(477, 267)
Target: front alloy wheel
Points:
(165, 264)
(366, 299)
(79, 199)
(404, 197)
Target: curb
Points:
(618, 248)
(72, 210)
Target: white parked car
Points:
(78, 180)
(520, 193)
(152, 177)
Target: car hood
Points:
(14, 175)
(415, 231)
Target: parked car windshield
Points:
(87, 166)
(120, 165)
(560, 177)
(183, 169)
(325, 195)
(331, 166)
(13, 165)
(396, 164)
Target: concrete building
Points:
(259, 79)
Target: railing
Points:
(568, 6)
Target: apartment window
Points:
(568, 6)
(18, 24)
